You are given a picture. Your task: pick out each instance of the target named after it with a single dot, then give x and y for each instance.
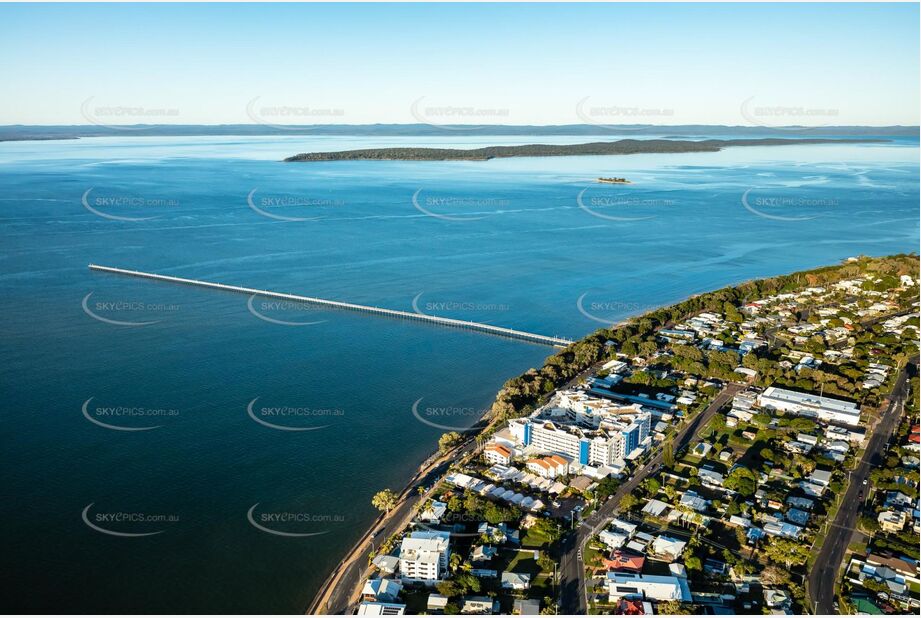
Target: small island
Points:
(614, 181)
(619, 147)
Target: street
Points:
(572, 568)
(824, 574)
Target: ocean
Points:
(175, 449)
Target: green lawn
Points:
(522, 562)
(534, 538)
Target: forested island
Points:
(619, 147)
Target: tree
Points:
(545, 562)
(547, 528)
(733, 508)
(468, 583)
(671, 608)
(869, 524)
(692, 563)
(384, 500)
(774, 576)
(629, 502)
(742, 480)
(606, 487)
(448, 441)
(448, 588)
(668, 455)
(786, 552)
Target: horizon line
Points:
(473, 125)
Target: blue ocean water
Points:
(532, 244)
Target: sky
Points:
(735, 64)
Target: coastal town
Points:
(754, 450)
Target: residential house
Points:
(386, 590)
(434, 513)
(892, 521)
(373, 608)
(497, 454)
(647, 587)
(526, 607)
(436, 603)
(479, 605)
(667, 546)
(515, 581)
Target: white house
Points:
(515, 581)
(614, 540)
(647, 587)
(434, 513)
(497, 454)
(667, 546)
(424, 556)
(385, 590)
(374, 608)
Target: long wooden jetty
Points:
(335, 304)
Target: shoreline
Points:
(616, 147)
(328, 585)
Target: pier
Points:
(335, 304)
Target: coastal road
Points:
(346, 579)
(572, 568)
(824, 574)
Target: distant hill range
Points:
(24, 132)
(618, 147)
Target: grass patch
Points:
(534, 538)
(523, 562)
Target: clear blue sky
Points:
(531, 63)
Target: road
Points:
(824, 574)
(572, 568)
(338, 594)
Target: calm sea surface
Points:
(531, 244)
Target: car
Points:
(864, 482)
